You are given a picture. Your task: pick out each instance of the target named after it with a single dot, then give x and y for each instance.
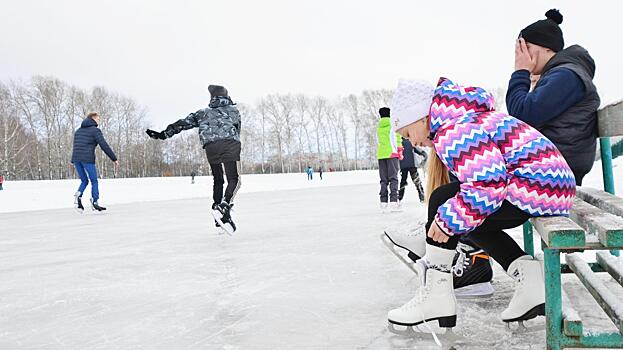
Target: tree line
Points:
(280, 133)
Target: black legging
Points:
(415, 177)
(490, 235)
(233, 181)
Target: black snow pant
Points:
(388, 171)
(490, 235)
(233, 181)
(415, 177)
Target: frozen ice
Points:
(305, 270)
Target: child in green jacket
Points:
(389, 153)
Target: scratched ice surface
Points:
(306, 270)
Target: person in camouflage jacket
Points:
(219, 133)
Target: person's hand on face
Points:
(523, 60)
(437, 235)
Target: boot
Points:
(383, 207)
(412, 240)
(96, 206)
(78, 201)
(529, 298)
(472, 272)
(434, 299)
(395, 207)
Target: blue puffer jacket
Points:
(86, 138)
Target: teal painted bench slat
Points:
(610, 303)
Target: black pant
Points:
(415, 177)
(490, 235)
(233, 181)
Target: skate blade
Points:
(448, 337)
(475, 291)
(533, 313)
(218, 219)
(390, 245)
(523, 329)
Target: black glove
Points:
(156, 135)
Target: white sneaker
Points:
(435, 298)
(529, 298)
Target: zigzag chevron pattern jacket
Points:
(496, 157)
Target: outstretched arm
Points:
(101, 141)
(191, 121)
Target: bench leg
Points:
(528, 240)
(606, 169)
(553, 299)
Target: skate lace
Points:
(419, 299)
(460, 264)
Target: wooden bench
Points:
(595, 223)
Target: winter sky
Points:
(165, 53)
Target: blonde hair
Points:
(92, 115)
(436, 173)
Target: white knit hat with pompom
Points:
(411, 101)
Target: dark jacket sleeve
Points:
(557, 92)
(99, 138)
(191, 121)
(420, 152)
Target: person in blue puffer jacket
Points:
(86, 138)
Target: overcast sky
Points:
(165, 53)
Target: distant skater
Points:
(192, 177)
(389, 152)
(320, 172)
(1, 181)
(310, 173)
(86, 138)
(408, 169)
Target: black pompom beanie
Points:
(546, 32)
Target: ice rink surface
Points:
(306, 270)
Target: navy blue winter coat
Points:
(86, 138)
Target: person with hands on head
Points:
(564, 101)
(86, 138)
(219, 133)
(507, 173)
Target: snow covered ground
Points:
(306, 270)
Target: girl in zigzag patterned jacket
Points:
(508, 172)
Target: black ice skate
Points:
(78, 202)
(96, 207)
(222, 215)
(472, 272)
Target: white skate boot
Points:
(384, 207)
(434, 300)
(400, 240)
(529, 298)
(395, 207)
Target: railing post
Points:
(606, 168)
(606, 164)
(528, 240)
(553, 299)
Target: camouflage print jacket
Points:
(220, 121)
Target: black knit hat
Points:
(546, 32)
(384, 112)
(217, 90)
